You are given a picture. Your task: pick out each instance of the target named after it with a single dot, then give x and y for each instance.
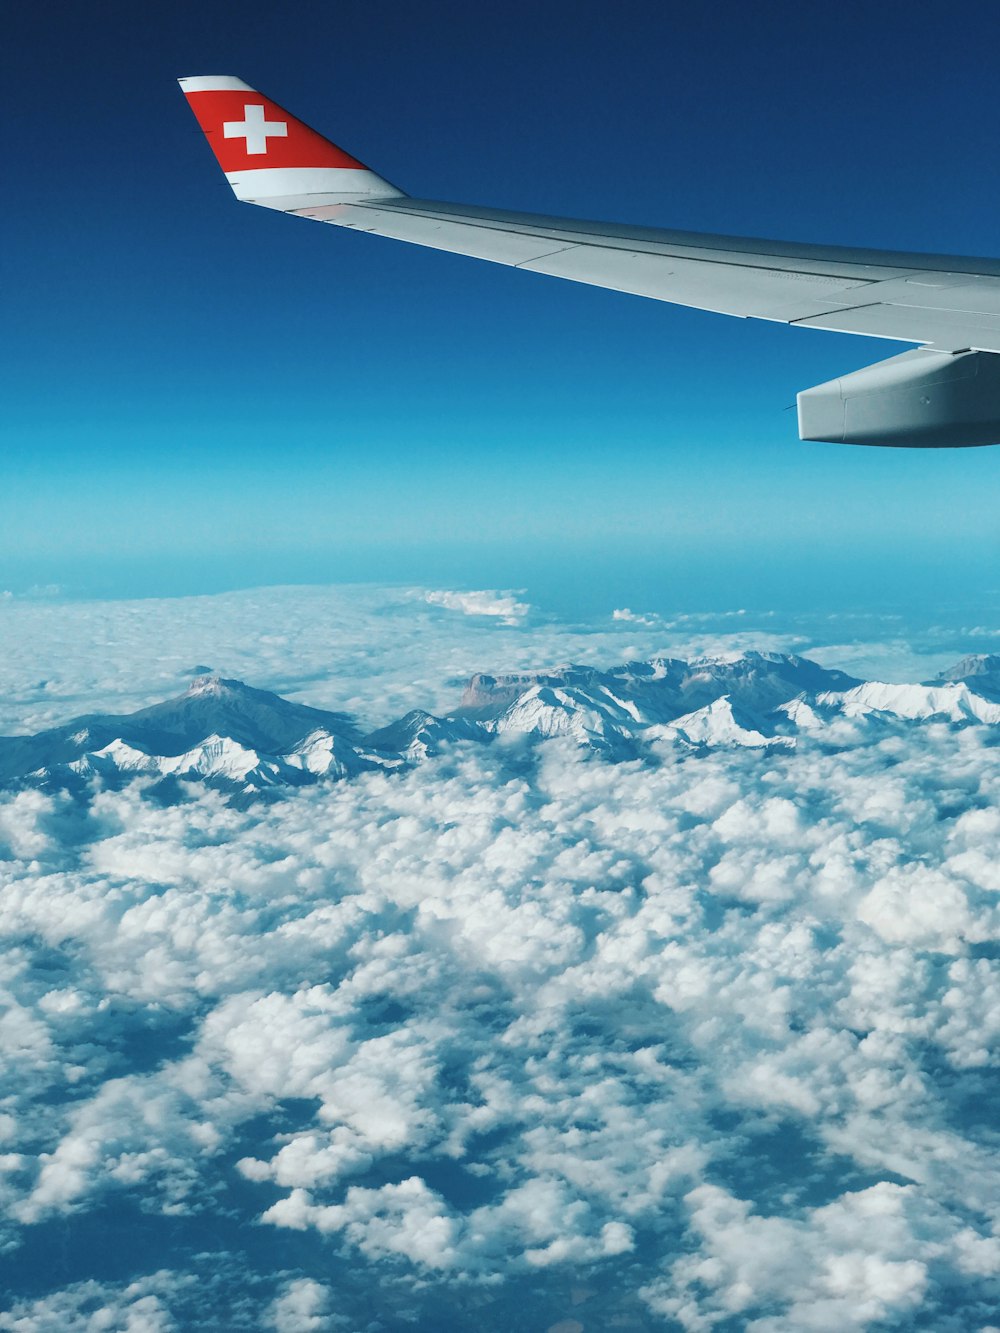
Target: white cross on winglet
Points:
(255, 129)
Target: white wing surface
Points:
(948, 305)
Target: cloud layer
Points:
(379, 651)
(701, 1041)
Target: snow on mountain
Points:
(222, 759)
(597, 719)
(954, 702)
(759, 681)
(661, 690)
(226, 733)
(418, 735)
(718, 724)
(255, 719)
(323, 754)
(801, 715)
(118, 757)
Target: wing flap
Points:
(948, 329)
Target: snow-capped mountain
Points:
(720, 724)
(953, 701)
(418, 735)
(666, 698)
(666, 688)
(228, 734)
(211, 706)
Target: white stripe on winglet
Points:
(215, 83)
(276, 182)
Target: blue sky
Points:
(203, 396)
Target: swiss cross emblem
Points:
(255, 129)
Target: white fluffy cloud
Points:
(845, 1266)
(303, 1307)
(94, 1307)
(483, 603)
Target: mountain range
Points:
(229, 734)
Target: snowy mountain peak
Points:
(212, 685)
(952, 700)
(719, 724)
(215, 686)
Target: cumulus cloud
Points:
(94, 1307)
(302, 1307)
(482, 603)
(631, 617)
(845, 1266)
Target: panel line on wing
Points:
(656, 249)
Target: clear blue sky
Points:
(200, 395)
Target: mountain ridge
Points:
(225, 732)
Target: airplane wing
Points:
(945, 393)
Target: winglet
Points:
(271, 158)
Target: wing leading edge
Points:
(946, 304)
